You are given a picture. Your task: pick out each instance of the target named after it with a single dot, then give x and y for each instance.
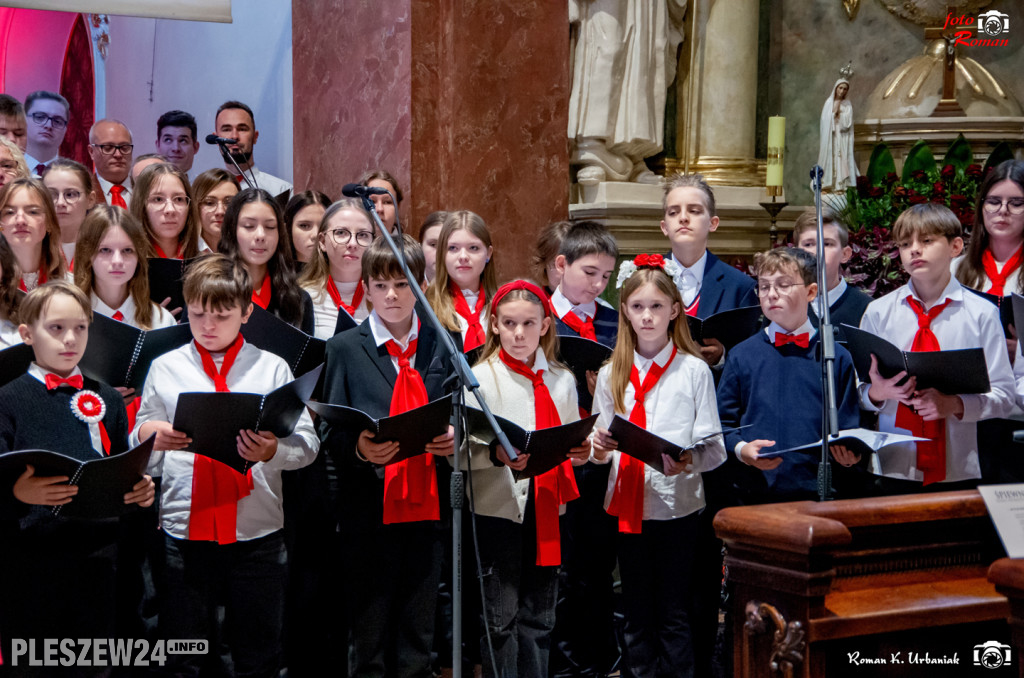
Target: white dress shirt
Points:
(382, 335)
(692, 279)
(161, 316)
(254, 371)
(326, 313)
(33, 163)
(496, 492)
(268, 182)
(126, 191)
(968, 322)
(1012, 285)
(562, 305)
(680, 408)
(833, 294)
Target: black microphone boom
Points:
(359, 191)
(213, 139)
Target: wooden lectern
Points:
(823, 589)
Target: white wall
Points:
(196, 66)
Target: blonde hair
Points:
(625, 345)
(927, 218)
(548, 340)
(36, 301)
(318, 269)
(439, 293)
(17, 155)
(52, 256)
(101, 219)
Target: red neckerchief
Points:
(410, 486)
(357, 296)
(998, 278)
(40, 282)
(262, 296)
(216, 488)
(584, 328)
(555, 487)
(691, 310)
(475, 333)
(163, 255)
(931, 455)
(802, 340)
(628, 498)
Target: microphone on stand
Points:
(359, 191)
(224, 142)
(214, 140)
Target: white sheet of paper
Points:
(1005, 504)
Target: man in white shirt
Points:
(47, 114)
(176, 139)
(110, 147)
(235, 121)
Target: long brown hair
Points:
(439, 293)
(318, 269)
(52, 256)
(10, 274)
(100, 220)
(202, 187)
(625, 345)
(188, 239)
(971, 272)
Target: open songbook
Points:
(729, 327)
(547, 447)
(413, 429)
(952, 372)
(641, 444)
(213, 420)
(14, 362)
(858, 440)
(165, 281)
(121, 355)
(102, 482)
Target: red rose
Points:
(973, 171)
(919, 175)
(917, 199)
(875, 192)
(938, 187)
(891, 178)
(654, 260)
(948, 172)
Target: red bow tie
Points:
(53, 381)
(803, 340)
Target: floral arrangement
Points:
(628, 268)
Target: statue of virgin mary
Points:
(835, 151)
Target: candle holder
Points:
(773, 208)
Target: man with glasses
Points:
(110, 146)
(48, 114)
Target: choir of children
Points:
(223, 531)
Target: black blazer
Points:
(360, 374)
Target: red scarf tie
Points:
(261, 297)
(116, 199)
(931, 455)
(163, 255)
(475, 332)
(584, 328)
(803, 340)
(216, 488)
(555, 487)
(691, 310)
(40, 282)
(998, 278)
(410, 486)
(357, 296)
(628, 498)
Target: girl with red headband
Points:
(658, 380)
(518, 519)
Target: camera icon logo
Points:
(992, 655)
(993, 22)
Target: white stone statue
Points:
(624, 60)
(835, 151)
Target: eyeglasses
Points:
(1013, 205)
(782, 288)
(9, 168)
(8, 214)
(342, 236)
(40, 118)
(71, 196)
(159, 202)
(108, 149)
(210, 204)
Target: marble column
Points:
(464, 101)
(724, 101)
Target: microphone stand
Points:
(829, 411)
(465, 378)
(227, 154)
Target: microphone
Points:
(214, 139)
(360, 191)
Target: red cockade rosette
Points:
(89, 408)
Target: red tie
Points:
(691, 310)
(53, 381)
(40, 168)
(475, 333)
(998, 278)
(628, 498)
(239, 178)
(118, 316)
(216, 488)
(931, 455)
(163, 255)
(115, 197)
(261, 297)
(584, 328)
(803, 340)
(410, 486)
(357, 296)
(555, 487)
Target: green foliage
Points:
(919, 159)
(959, 153)
(880, 165)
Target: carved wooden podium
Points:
(819, 589)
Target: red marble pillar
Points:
(464, 101)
